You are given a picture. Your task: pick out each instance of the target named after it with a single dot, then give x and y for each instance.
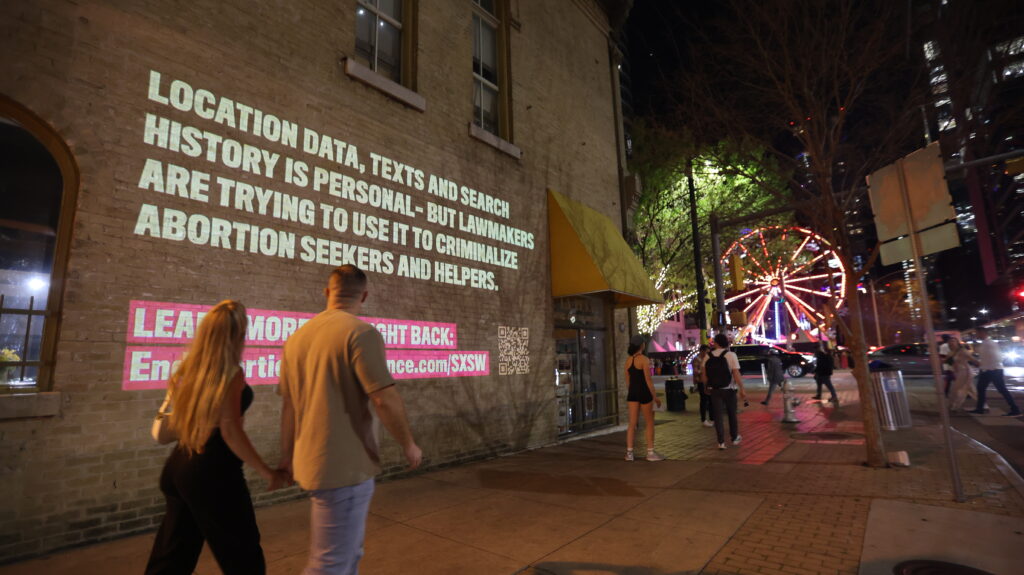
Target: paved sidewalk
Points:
(792, 498)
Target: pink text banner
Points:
(149, 367)
(151, 322)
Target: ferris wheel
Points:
(785, 279)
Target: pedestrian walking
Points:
(776, 376)
(959, 361)
(947, 366)
(990, 362)
(639, 398)
(332, 370)
(824, 365)
(700, 383)
(202, 480)
(722, 374)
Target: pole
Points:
(929, 328)
(702, 310)
(874, 305)
(716, 253)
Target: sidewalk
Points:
(792, 498)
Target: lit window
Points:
(379, 36)
(38, 183)
(931, 50)
(490, 98)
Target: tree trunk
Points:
(858, 353)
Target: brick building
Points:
(163, 156)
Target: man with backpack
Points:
(722, 374)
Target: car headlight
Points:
(1012, 355)
(807, 357)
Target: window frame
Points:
(404, 91)
(70, 177)
(500, 21)
(407, 39)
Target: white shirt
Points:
(989, 355)
(944, 351)
(732, 361)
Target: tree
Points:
(893, 308)
(662, 223)
(649, 317)
(826, 93)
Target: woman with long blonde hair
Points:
(202, 481)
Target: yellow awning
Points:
(589, 256)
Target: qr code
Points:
(513, 350)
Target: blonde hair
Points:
(200, 383)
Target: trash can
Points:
(675, 396)
(891, 399)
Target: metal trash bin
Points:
(891, 399)
(675, 396)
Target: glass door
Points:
(585, 391)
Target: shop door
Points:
(584, 381)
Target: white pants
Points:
(338, 526)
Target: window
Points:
(38, 181)
(490, 89)
(379, 36)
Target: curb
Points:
(1011, 475)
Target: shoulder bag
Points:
(161, 430)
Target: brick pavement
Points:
(785, 501)
(817, 492)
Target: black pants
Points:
(825, 380)
(725, 399)
(207, 500)
(705, 403)
(995, 377)
(706, 413)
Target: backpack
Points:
(717, 368)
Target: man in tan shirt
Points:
(333, 368)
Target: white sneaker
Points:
(721, 446)
(709, 424)
(629, 455)
(738, 439)
(653, 455)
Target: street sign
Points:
(922, 174)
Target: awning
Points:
(589, 256)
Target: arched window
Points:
(38, 185)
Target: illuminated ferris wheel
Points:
(785, 279)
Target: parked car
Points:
(752, 357)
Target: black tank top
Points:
(247, 397)
(636, 375)
(216, 444)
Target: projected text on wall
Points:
(158, 334)
(319, 199)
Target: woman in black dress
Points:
(202, 481)
(640, 397)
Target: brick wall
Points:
(91, 472)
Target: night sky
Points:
(662, 40)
